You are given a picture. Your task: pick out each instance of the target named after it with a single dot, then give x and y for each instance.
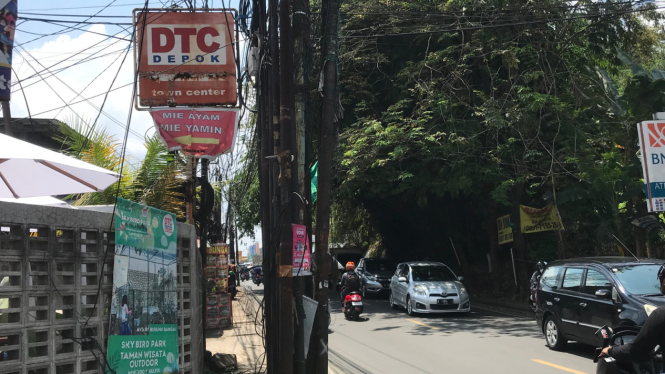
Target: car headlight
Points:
(371, 277)
(649, 308)
(462, 291)
(420, 290)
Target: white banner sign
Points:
(652, 146)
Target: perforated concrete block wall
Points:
(51, 262)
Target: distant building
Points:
(38, 131)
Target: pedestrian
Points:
(124, 317)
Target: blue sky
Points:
(47, 94)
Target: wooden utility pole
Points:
(7, 116)
(327, 144)
(191, 193)
(287, 179)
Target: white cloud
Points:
(43, 101)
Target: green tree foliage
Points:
(468, 109)
(156, 180)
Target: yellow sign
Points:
(218, 249)
(504, 229)
(536, 220)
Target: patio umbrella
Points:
(27, 170)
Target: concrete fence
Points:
(51, 265)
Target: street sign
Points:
(203, 133)
(539, 219)
(652, 147)
(504, 229)
(185, 58)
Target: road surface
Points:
(386, 341)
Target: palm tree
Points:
(156, 181)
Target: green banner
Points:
(143, 334)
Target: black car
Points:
(577, 297)
(375, 274)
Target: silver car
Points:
(428, 287)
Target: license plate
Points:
(444, 301)
(357, 303)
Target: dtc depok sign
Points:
(186, 58)
(652, 147)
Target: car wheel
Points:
(392, 301)
(409, 307)
(553, 336)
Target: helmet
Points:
(350, 266)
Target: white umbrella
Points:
(27, 170)
(40, 200)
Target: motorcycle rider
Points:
(533, 283)
(649, 336)
(350, 280)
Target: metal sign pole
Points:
(513, 260)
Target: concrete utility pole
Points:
(300, 22)
(287, 182)
(327, 144)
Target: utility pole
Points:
(300, 18)
(7, 116)
(191, 189)
(287, 181)
(327, 144)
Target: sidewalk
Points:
(242, 339)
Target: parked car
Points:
(428, 287)
(375, 274)
(577, 297)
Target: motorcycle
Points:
(353, 305)
(244, 276)
(257, 279)
(619, 336)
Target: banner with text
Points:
(203, 133)
(536, 220)
(652, 147)
(185, 58)
(504, 229)
(302, 258)
(143, 332)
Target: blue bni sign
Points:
(652, 147)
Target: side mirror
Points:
(402, 279)
(604, 294)
(461, 279)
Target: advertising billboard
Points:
(143, 331)
(8, 16)
(203, 133)
(539, 219)
(185, 58)
(652, 147)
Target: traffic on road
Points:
(597, 303)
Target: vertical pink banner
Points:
(302, 258)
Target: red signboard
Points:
(186, 58)
(204, 133)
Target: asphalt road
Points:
(388, 341)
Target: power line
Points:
(491, 26)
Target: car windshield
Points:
(639, 279)
(432, 274)
(381, 265)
